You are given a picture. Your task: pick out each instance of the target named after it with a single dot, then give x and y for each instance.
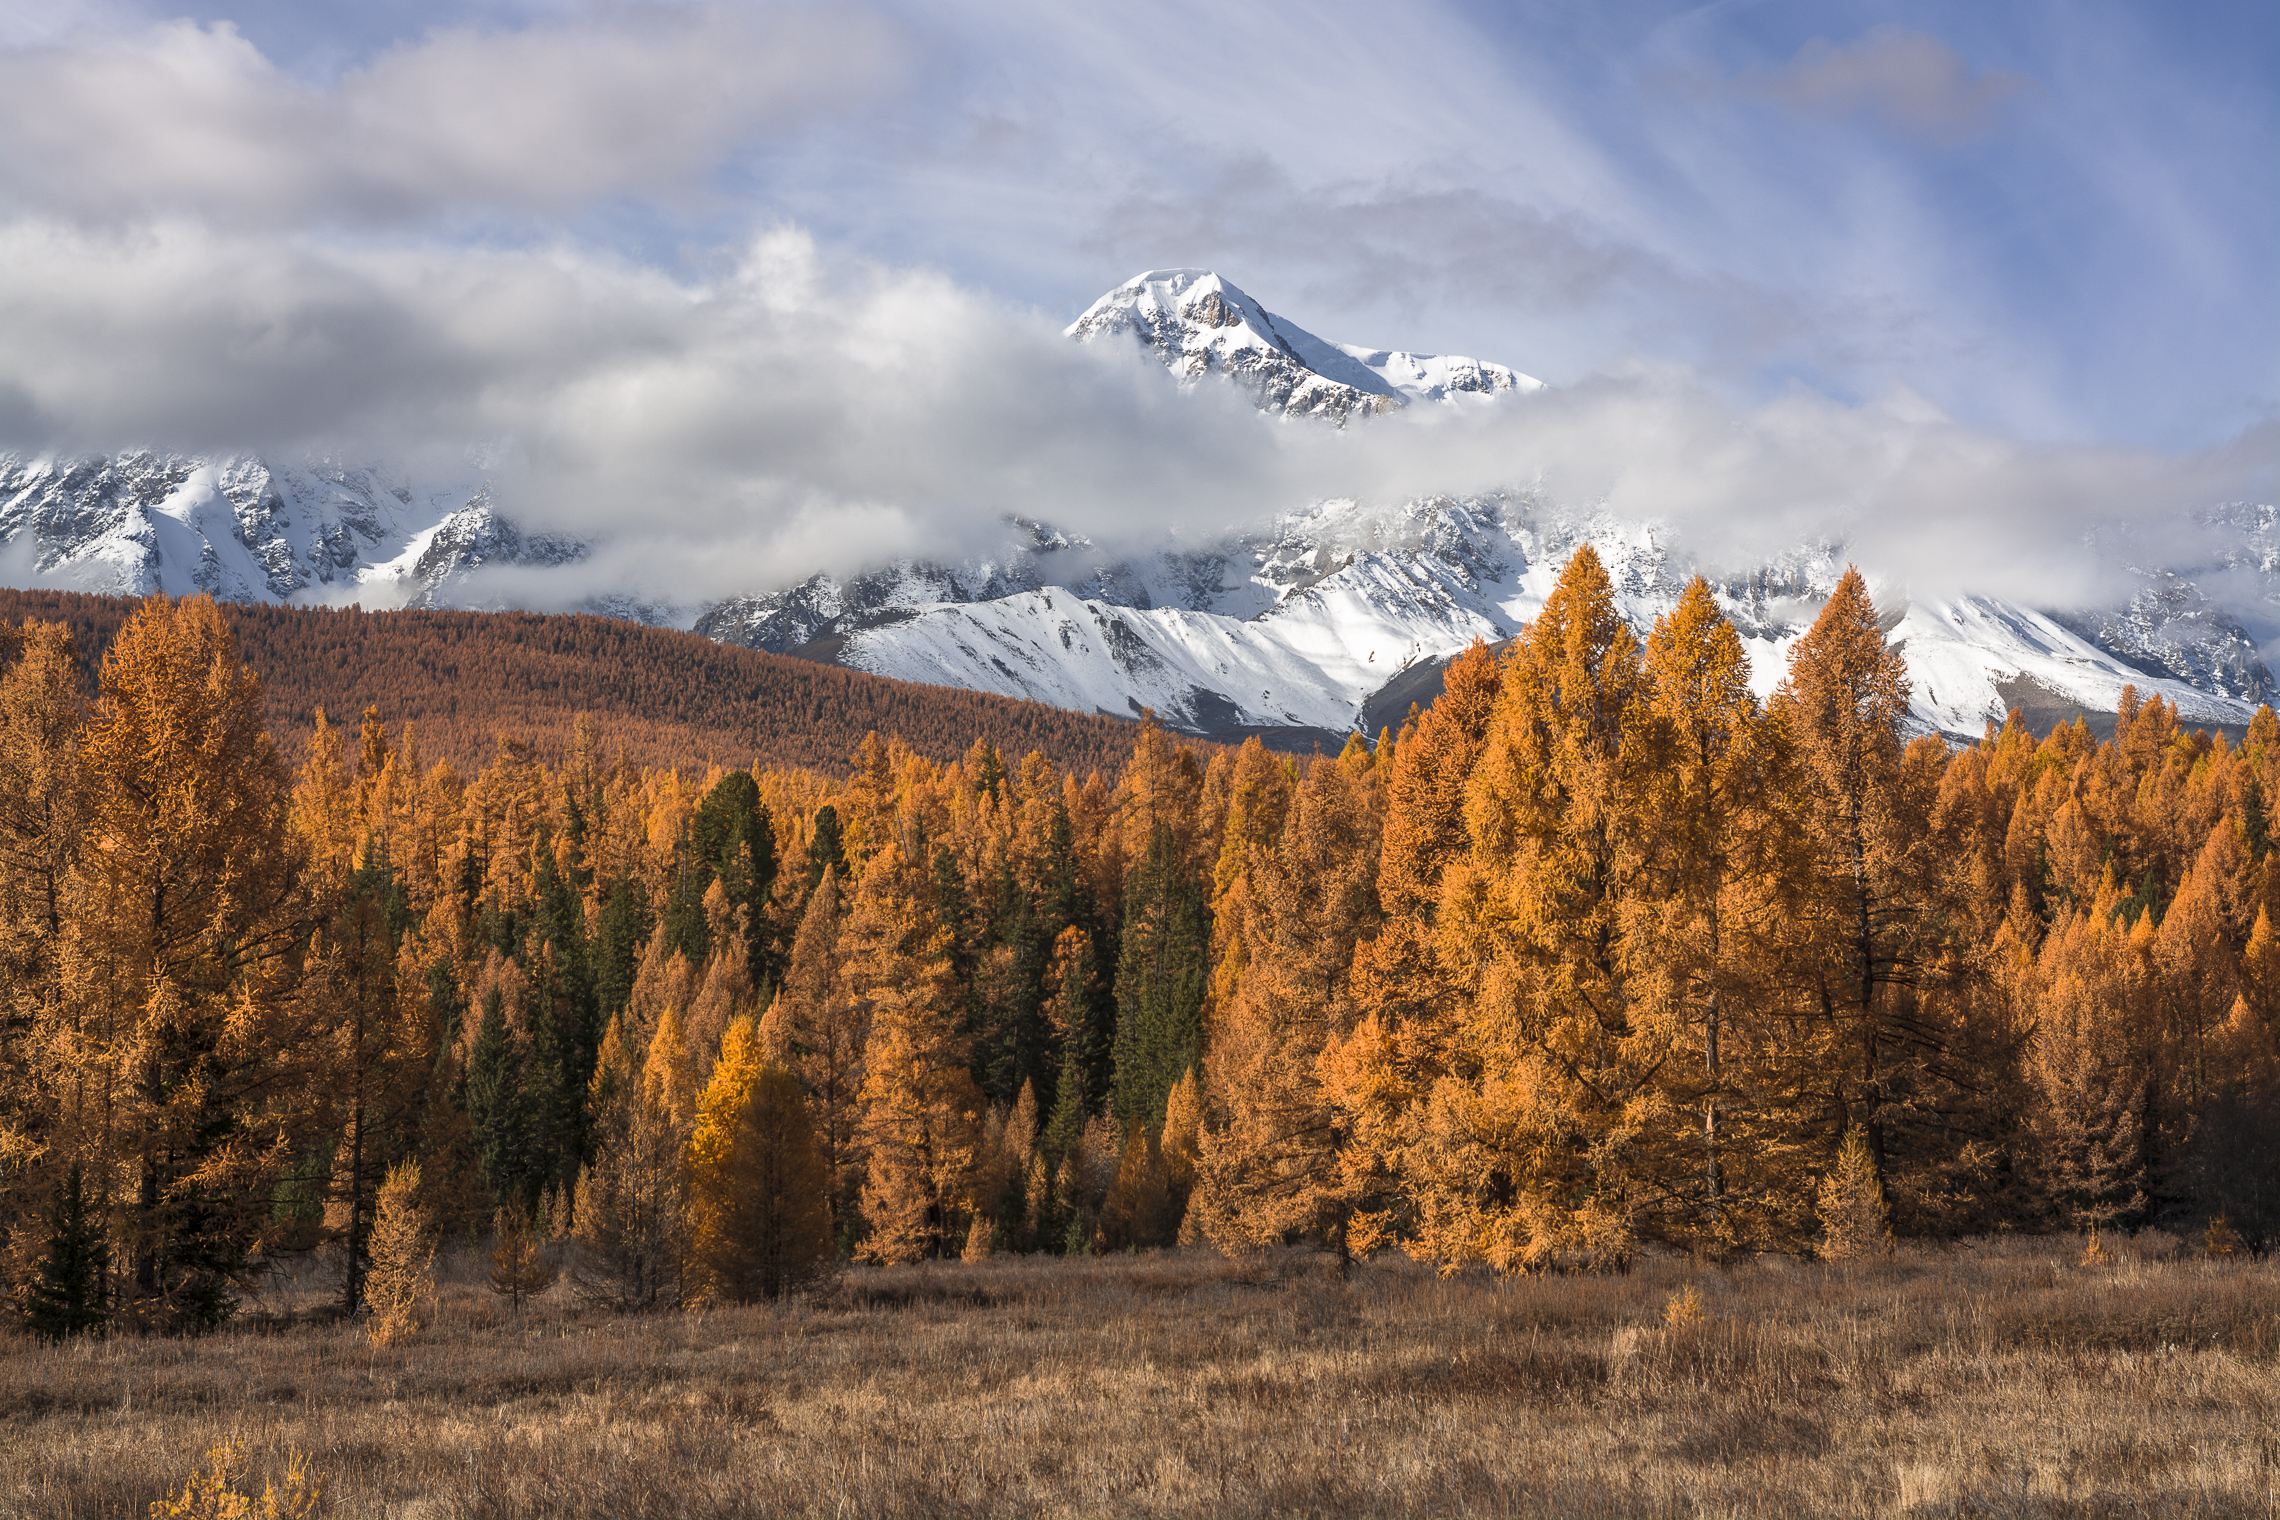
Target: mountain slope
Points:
(470, 680)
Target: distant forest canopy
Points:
(466, 680)
(1599, 952)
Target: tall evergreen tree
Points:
(70, 1294)
(826, 849)
(733, 840)
(1010, 1030)
(500, 1109)
(618, 940)
(1072, 1012)
(1160, 980)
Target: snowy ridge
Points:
(1344, 621)
(241, 529)
(1438, 377)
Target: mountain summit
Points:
(1200, 324)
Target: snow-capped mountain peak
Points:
(1199, 324)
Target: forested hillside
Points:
(1597, 952)
(469, 679)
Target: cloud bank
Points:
(789, 415)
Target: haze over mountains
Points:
(1325, 618)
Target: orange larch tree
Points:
(1711, 853)
(1524, 1156)
(921, 1124)
(182, 917)
(1272, 1159)
(1871, 871)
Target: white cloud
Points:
(183, 118)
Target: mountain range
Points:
(1311, 625)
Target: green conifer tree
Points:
(68, 1296)
(500, 1108)
(826, 849)
(1160, 979)
(624, 929)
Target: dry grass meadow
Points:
(1986, 1379)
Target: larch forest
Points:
(1598, 954)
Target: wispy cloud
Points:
(1910, 82)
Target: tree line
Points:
(1597, 951)
(663, 697)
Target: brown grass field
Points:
(1992, 1378)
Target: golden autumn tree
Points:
(630, 1205)
(1409, 1003)
(370, 1049)
(2087, 1065)
(1138, 1211)
(921, 1125)
(1870, 871)
(1709, 850)
(1009, 1151)
(1259, 787)
(1272, 1163)
(181, 914)
(1524, 1159)
(402, 1255)
(41, 715)
(369, 1035)
(2199, 964)
(47, 1094)
(822, 1026)
(1162, 788)
(757, 1185)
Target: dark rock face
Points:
(2171, 629)
(475, 536)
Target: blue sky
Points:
(2056, 226)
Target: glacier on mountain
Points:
(1321, 621)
